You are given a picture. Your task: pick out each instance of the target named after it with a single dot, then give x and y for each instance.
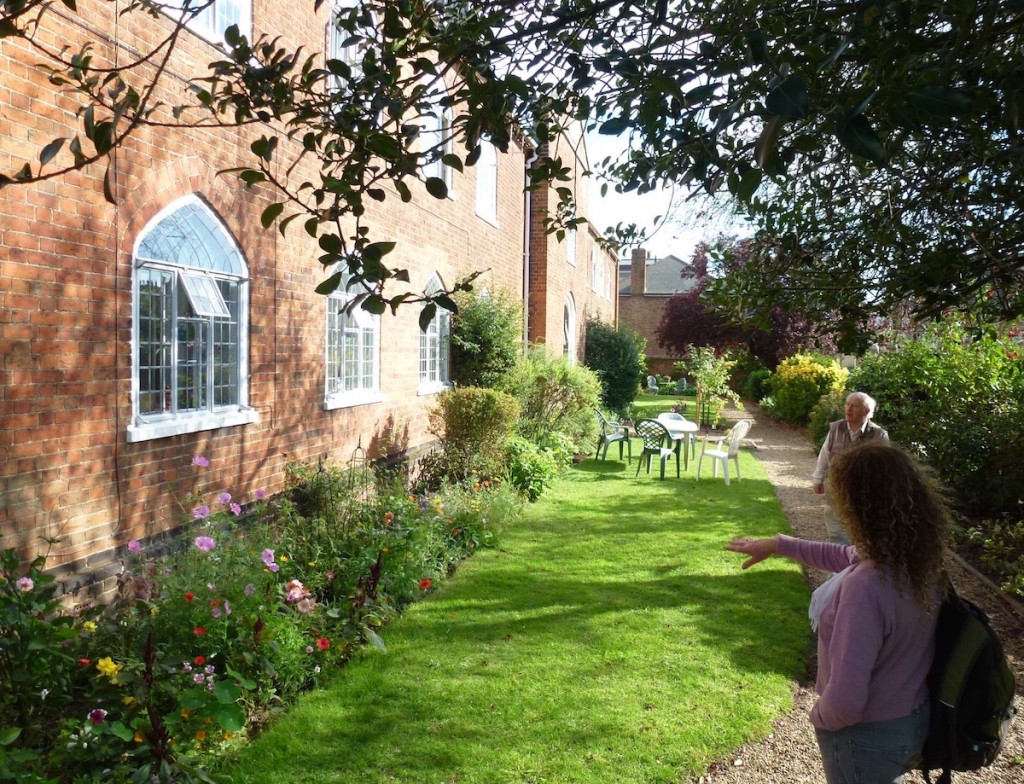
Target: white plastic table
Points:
(681, 429)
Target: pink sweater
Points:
(875, 644)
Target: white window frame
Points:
(569, 329)
(487, 183)
(570, 246)
(335, 50)
(342, 320)
(169, 422)
(435, 347)
(437, 128)
(212, 21)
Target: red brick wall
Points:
(642, 313)
(66, 468)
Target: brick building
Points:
(138, 335)
(645, 285)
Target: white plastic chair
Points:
(722, 449)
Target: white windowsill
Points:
(148, 431)
(353, 399)
(432, 387)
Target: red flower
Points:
(199, 660)
(199, 631)
(189, 596)
(425, 583)
(323, 643)
(85, 662)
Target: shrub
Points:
(486, 337)
(557, 402)
(954, 397)
(757, 383)
(800, 381)
(616, 355)
(473, 425)
(830, 407)
(528, 468)
(710, 373)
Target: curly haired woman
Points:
(876, 618)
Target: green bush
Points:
(954, 397)
(710, 373)
(473, 425)
(557, 402)
(800, 381)
(617, 356)
(528, 468)
(757, 384)
(830, 407)
(486, 339)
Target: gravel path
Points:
(789, 755)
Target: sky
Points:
(682, 228)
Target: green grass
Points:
(609, 639)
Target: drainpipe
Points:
(527, 207)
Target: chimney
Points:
(638, 273)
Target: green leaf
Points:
(748, 184)
(330, 243)
(757, 49)
(764, 150)
(49, 152)
(427, 315)
(447, 303)
(120, 731)
(193, 699)
(403, 191)
(246, 684)
(231, 718)
(371, 636)
(108, 185)
(375, 251)
(860, 138)
(374, 304)
(788, 98)
(941, 101)
(270, 214)
(614, 126)
(9, 735)
(384, 146)
(227, 692)
(330, 285)
(436, 187)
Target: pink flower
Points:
(24, 584)
(205, 543)
(296, 591)
(260, 494)
(201, 512)
(224, 499)
(134, 546)
(306, 605)
(200, 461)
(235, 509)
(97, 715)
(309, 649)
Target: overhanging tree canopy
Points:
(876, 143)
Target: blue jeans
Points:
(877, 752)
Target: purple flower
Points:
(309, 649)
(186, 666)
(97, 715)
(24, 584)
(134, 546)
(227, 607)
(201, 512)
(249, 590)
(198, 678)
(224, 498)
(260, 494)
(235, 509)
(273, 567)
(200, 461)
(205, 543)
(215, 612)
(208, 669)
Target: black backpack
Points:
(971, 688)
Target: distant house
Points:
(645, 285)
(170, 327)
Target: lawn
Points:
(609, 638)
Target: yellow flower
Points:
(154, 609)
(384, 549)
(229, 735)
(89, 626)
(201, 735)
(283, 558)
(137, 737)
(312, 564)
(108, 668)
(185, 713)
(129, 701)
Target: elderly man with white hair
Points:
(856, 425)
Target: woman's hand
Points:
(757, 549)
